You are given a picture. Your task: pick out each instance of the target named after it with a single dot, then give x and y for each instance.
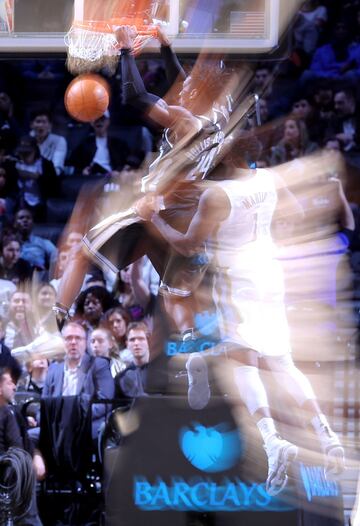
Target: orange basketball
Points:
(87, 97)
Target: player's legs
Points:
(252, 393)
(73, 276)
(181, 311)
(299, 387)
(180, 287)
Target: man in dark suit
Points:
(100, 153)
(80, 374)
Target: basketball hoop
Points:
(92, 44)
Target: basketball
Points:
(87, 97)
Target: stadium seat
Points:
(70, 186)
(59, 210)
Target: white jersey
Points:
(249, 288)
(247, 230)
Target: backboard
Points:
(231, 26)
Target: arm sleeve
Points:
(173, 69)
(133, 89)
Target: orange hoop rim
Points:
(108, 26)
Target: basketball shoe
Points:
(198, 381)
(280, 454)
(333, 451)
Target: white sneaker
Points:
(332, 448)
(280, 454)
(199, 390)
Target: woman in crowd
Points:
(20, 328)
(44, 300)
(116, 321)
(12, 266)
(103, 344)
(137, 285)
(91, 305)
(294, 142)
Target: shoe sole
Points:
(286, 455)
(199, 390)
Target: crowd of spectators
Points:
(307, 102)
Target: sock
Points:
(319, 422)
(266, 426)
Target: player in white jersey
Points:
(249, 288)
(234, 217)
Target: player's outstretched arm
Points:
(173, 68)
(214, 207)
(133, 89)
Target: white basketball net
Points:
(91, 46)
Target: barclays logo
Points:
(210, 449)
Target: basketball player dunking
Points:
(189, 151)
(233, 218)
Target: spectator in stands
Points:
(9, 127)
(94, 279)
(80, 374)
(34, 380)
(303, 109)
(20, 327)
(263, 85)
(294, 142)
(61, 261)
(116, 320)
(137, 285)
(323, 96)
(7, 288)
(44, 300)
(73, 238)
(13, 267)
(131, 383)
(91, 305)
(39, 252)
(8, 191)
(309, 24)
(36, 177)
(52, 147)
(6, 360)
(337, 60)
(345, 124)
(12, 434)
(332, 144)
(103, 344)
(314, 12)
(100, 153)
